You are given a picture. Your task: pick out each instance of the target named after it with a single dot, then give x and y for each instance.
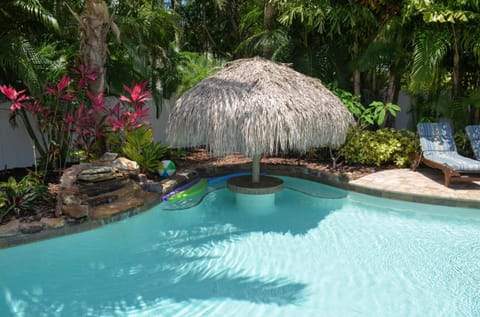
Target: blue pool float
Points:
(218, 179)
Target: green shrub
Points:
(140, 147)
(380, 147)
(463, 143)
(20, 197)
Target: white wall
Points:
(15, 146)
(403, 120)
(160, 125)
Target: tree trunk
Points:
(176, 7)
(269, 14)
(95, 23)
(393, 90)
(456, 65)
(356, 72)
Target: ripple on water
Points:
(342, 257)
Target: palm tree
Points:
(445, 40)
(349, 23)
(148, 34)
(95, 22)
(387, 58)
(447, 32)
(262, 34)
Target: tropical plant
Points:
(148, 34)
(127, 115)
(26, 26)
(446, 37)
(374, 114)
(462, 142)
(263, 35)
(380, 147)
(193, 68)
(388, 56)
(140, 147)
(69, 117)
(95, 22)
(20, 197)
(205, 24)
(353, 20)
(3, 201)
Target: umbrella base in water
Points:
(244, 185)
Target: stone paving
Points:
(424, 185)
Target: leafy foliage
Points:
(377, 112)
(69, 116)
(463, 143)
(195, 67)
(147, 49)
(140, 147)
(25, 25)
(20, 197)
(374, 114)
(350, 100)
(380, 147)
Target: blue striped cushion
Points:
(436, 137)
(453, 160)
(473, 133)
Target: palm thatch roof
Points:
(256, 106)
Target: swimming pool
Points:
(345, 254)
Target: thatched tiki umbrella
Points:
(254, 107)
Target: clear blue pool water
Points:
(343, 255)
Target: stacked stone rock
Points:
(92, 194)
(86, 188)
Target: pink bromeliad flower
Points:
(17, 98)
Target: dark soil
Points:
(194, 159)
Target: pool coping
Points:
(341, 181)
(344, 182)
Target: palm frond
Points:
(471, 41)
(35, 10)
(313, 13)
(431, 46)
(377, 53)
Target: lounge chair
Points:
(439, 151)
(473, 133)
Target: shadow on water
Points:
(169, 271)
(291, 212)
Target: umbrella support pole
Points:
(255, 185)
(256, 169)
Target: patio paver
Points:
(424, 185)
